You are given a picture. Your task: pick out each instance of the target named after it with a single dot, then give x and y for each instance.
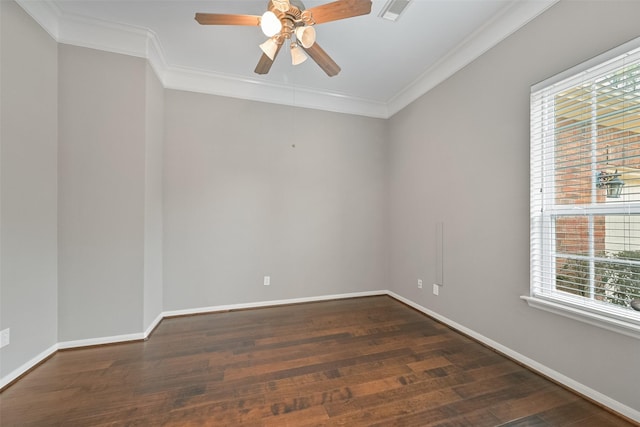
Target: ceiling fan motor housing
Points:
(295, 16)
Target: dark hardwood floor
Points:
(364, 361)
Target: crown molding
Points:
(193, 80)
(141, 42)
(45, 13)
(512, 18)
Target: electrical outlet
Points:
(419, 283)
(267, 280)
(4, 337)
(436, 289)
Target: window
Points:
(585, 192)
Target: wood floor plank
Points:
(544, 400)
(353, 362)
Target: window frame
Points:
(544, 209)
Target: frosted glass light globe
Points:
(270, 24)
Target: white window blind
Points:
(585, 191)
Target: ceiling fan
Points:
(289, 20)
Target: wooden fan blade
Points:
(340, 9)
(323, 60)
(265, 63)
(224, 19)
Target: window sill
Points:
(620, 326)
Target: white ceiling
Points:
(385, 65)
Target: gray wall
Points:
(28, 101)
(154, 137)
(101, 193)
(111, 114)
(460, 155)
(241, 202)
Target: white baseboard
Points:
(535, 366)
(153, 325)
(16, 373)
(100, 341)
(210, 309)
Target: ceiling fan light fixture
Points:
(297, 55)
(306, 36)
(270, 24)
(270, 47)
(282, 22)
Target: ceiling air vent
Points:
(393, 9)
